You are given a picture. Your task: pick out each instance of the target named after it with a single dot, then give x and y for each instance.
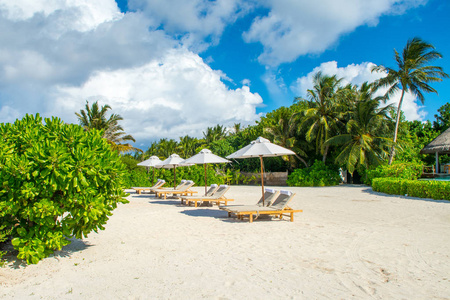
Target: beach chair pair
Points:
(215, 194)
(183, 189)
(151, 189)
(275, 204)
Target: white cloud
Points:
(199, 22)
(297, 27)
(357, 74)
(171, 97)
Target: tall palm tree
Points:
(166, 147)
(187, 146)
(413, 74)
(281, 131)
(94, 117)
(364, 144)
(213, 134)
(322, 115)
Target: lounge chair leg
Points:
(251, 218)
(195, 203)
(292, 217)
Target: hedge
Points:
(438, 190)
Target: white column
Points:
(437, 162)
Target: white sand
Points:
(349, 243)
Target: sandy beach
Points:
(348, 243)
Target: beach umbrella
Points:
(151, 162)
(173, 161)
(261, 147)
(206, 157)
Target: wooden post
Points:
(205, 179)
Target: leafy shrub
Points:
(439, 190)
(57, 181)
(318, 174)
(3, 237)
(403, 170)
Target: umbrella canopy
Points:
(173, 161)
(151, 162)
(206, 157)
(261, 147)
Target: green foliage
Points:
(4, 234)
(57, 181)
(443, 118)
(438, 190)
(402, 170)
(318, 174)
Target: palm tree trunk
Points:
(325, 152)
(397, 123)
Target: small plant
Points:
(403, 170)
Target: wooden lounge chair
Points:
(157, 185)
(212, 189)
(217, 197)
(269, 196)
(279, 207)
(179, 190)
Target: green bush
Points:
(439, 190)
(3, 237)
(57, 181)
(318, 174)
(403, 170)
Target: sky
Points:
(172, 68)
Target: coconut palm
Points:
(322, 115)
(187, 146)
(94, 117)
(281, 128)
(413, 75)
(364, 143)
(166, 147)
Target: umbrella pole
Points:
(205, 179)
(174, 177)
(153, 180)
(262, 178)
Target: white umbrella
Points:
(151, 162)
(173, 161)
(261, 147)
(206, 157)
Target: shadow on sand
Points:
(15, 263)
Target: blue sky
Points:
(175, 67)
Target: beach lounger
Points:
(217, 197)
(212, 189)
(157, 185)
(269, 196)
(179, 190)
(279, 207)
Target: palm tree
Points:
(166, 147)
(94, 117)
(364, 143)
(322, 115)
(413, 75)
(281, 129)
(187, 146)
(214, 133)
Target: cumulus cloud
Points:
(55, 55)
(297, 27)
(357, 74)
(199, 23)
(171, 97)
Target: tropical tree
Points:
(187, 146)
(364, 144)
(166, 147)
(413, 74)
(280, 126)
(94, 117)
(322, 116)
(214, 133)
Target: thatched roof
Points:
(441, 144)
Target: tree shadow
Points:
(13, 262)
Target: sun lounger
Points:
(157, 185)
(217, 197)
(269, 196)
(182, 190)
(279, 207)
(212, 189)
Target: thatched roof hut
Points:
(440, 145)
